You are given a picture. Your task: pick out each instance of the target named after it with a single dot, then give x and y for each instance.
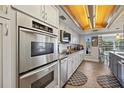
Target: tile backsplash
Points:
(63, 47)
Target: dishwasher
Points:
(63, 69)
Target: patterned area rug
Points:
(108, 81)
(77, 79)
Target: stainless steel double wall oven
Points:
(38, 55)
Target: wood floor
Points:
(92, 70)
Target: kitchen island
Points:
(116, 64)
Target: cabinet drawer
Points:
(64, 69)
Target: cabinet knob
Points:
(42, 12)
(45, 16)
(6, 10)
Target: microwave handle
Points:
(38, 70)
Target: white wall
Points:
(94, 51)
(94, 55)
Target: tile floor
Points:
(91, 70)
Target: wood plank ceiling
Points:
(90, 17)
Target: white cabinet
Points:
(4, 11)
(32, 10)
(42, 13)
(64, 64)
(52, 15)
(5, 53)
(72, 64)
(45, 13)
(72, 39)
(78, 59)
(74, 60)
(82, 55)
(70, 67)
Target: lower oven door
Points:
(46, 76)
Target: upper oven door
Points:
(43, 77)
(35, 49)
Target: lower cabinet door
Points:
(70, 68)
(64, 65)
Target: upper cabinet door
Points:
(4, 11)
(5, 53)
(52, 15)
(46, 13)
(32, 10)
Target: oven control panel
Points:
(41, 27)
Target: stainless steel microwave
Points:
(65, 37)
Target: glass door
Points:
(110, 42)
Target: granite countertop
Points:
(64, 55)
(120, 54)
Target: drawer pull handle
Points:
(6, 33)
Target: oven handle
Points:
(38, 70)
(37, 32)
